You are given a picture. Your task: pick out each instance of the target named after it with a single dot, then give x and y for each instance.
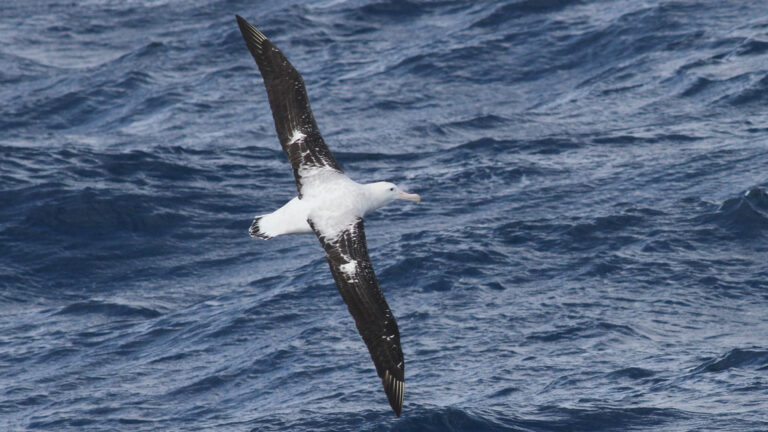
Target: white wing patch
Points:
(349, 270)
(296, 136)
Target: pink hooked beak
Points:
(408, 197)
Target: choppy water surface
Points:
(591, 253)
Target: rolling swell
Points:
(589, 253)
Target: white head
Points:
(383, 193)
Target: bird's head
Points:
(384, 193)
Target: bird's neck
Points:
(374, 198)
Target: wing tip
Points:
(395, 389)
(254, 39)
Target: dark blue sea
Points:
(591, 251)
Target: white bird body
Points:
(331, 200)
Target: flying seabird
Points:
(331, 205)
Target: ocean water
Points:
(591, 251)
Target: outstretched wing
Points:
(352, 270)
(294, 122)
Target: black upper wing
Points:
(294, 122)
(352, 270)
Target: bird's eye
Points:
(392, 189)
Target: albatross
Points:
(332, 206)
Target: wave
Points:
(632, 373)
(453, 419)
(109, 309)
(754, 93)
(549, 418)
(737, 358)
(586, 331)
(501, 15)
(83, 212)
(745, 215)
(607, 418)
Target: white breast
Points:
(335, 201)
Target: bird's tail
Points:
(256, 231)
